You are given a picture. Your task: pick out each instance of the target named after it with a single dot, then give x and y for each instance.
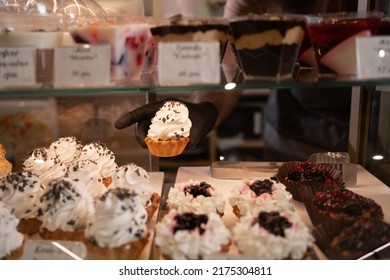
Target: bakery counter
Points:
(367, 185)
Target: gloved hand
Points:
(202, 115)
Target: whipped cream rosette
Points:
(39, 160)
(104, 158)
(21, 193)
(65, 209)
(197, 197)
(186, 235)
(265, 193)
(272, 235)
(118, 228)
(169, 131)
(87, 171)
(66, 149)
(11, 239)
(135, 178)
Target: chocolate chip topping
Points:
(261, 186)
(195, 190)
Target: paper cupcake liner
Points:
(324, 234)
(297, 189)
(167, 148)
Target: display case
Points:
(34, 117)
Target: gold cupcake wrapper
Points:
(167, 148)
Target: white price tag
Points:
(82, 65)
(373, 57)
(17, 66)
(189, 63)
(54, 250)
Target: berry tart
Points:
(197, 197)
(265, 193)
(306, 178)
(186, 235)
(272, 235)
(359, 239)
(341, 207)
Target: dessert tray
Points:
(220, 176)
(37, 249)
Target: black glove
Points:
(202, 115)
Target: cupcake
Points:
(65, 209)
(168, 134)
(359, 239)
(21, 193)
(272, 235)
(118, 229)
(11, 245)
(99, 153)
(265, 193)
(135, 178)
(341, 207)
(88, 173)
(187, 235)
(197, 197)
(302, 177)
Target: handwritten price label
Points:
(17, 66)
(189, 63)
(82, 65)
(373, 57)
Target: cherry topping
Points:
(190, 221)
(308, 172)
(273, 222)
(202, 189)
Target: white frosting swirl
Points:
(135, 178)
(55, 172)
(104, 158)
(21, 192)
(170, 122)
(190, 244)
(255, 242)
(247, 201)
(66, 205)
(87, 172)
(10, 238)
(178, 199)
(66, 149)
(119, 218)
(39, 161)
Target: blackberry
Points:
(190, 221)
(273, 222)
(202, 189)
(261, 186)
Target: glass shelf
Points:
(302, 78)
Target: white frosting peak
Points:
(10, 238)
(170, 122)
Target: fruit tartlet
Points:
(302, 179)
(265, 193)
(187, 235)
(272, 235)
(341, 207)
(118, 229)
(197, 197)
